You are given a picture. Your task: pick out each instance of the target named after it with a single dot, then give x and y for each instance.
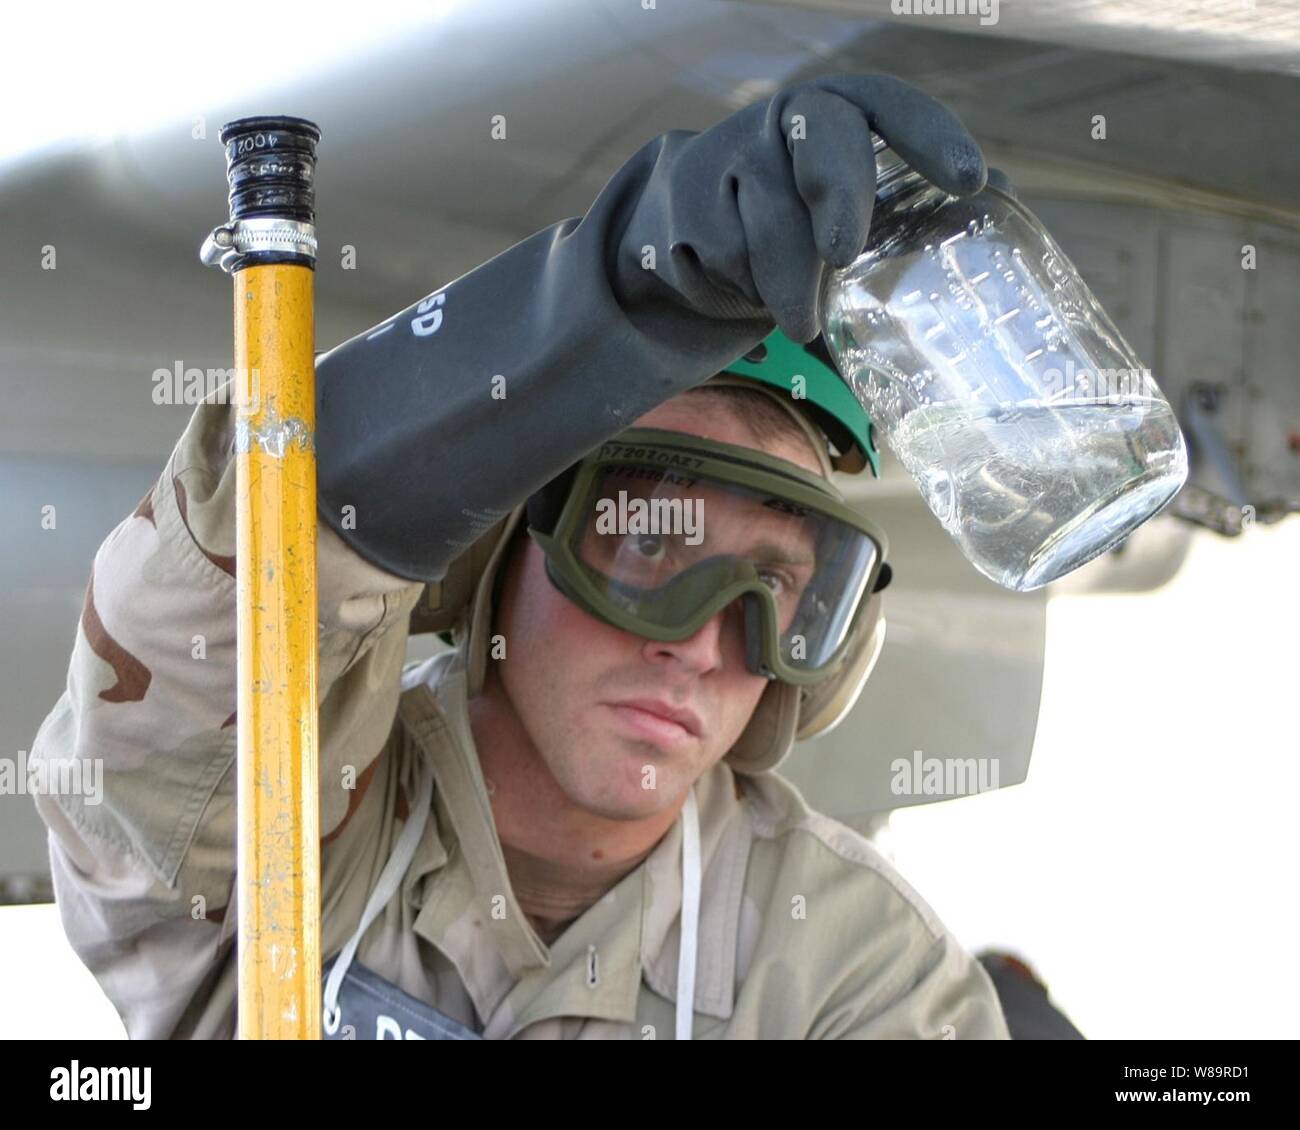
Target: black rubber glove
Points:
(690, 253)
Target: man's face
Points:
(570, 677)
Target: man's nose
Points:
(706, 649)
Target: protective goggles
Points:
(656, 531)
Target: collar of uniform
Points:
(632, 933)
(437, 716)
(596, 966)
(725, 838)
(595, 969)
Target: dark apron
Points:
(371, 1008)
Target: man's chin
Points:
(630, 782)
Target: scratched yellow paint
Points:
(278, 814)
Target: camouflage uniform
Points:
(805, 930)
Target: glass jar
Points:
(1035, 434)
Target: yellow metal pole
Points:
(279, 822)
(269, 247)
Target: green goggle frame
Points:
(680, 607)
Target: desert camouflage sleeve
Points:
(144, 877)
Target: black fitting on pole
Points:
(271, 170)
(271, 167)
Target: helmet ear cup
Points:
(824, 705)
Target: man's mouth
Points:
(658, 720)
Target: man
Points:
(567, 826)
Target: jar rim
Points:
(893, 174)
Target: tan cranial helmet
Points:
(462, 603)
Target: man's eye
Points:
(778, 582)
(650, 546)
